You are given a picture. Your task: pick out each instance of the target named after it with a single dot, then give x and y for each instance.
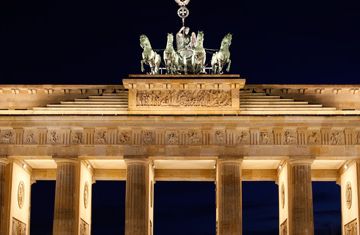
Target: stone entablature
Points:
(206, 136)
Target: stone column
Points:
(229, 197)
(72, 213)
(295, 198)
(3, 192)
(66, 198)
(138, 205)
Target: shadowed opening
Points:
(108, 208)
(260, 208)
(327, 208)
(184, 208)
(42, 207)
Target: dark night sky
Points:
(78, 41)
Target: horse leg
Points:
(229, 65)
(185, 65)
(142, 66)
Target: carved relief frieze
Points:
(265, 137)
(54, 136)
(313, 137)
(358, 137)
(283, 228)
(194, 137)
(18, 227)
(337, 137)
(243, 137)
(290, 137)
(100, 136)
(351, 228)
(7, 136)
(76, 137)
(172, 137)
(31, 136)
(148, 137)
(84, 228)
(220, 137)
(124, 137)
(185, 98)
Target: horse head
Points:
(144, 42)
(226, 42)
(200, 39)
(170, 39)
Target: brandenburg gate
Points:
(156, 128)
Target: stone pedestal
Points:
(229, 197)
(72, 213)
(184, 94)
(139, 197)
(295, 198)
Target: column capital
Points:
(300, 161)
(136, 161)
(66, 160)
(4, 161)
(230, 159)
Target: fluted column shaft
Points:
(137, 197)
(66, 199)
(3, 219)
(229, 197)
(301, 219)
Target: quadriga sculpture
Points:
(149, 56)
(222, 57)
